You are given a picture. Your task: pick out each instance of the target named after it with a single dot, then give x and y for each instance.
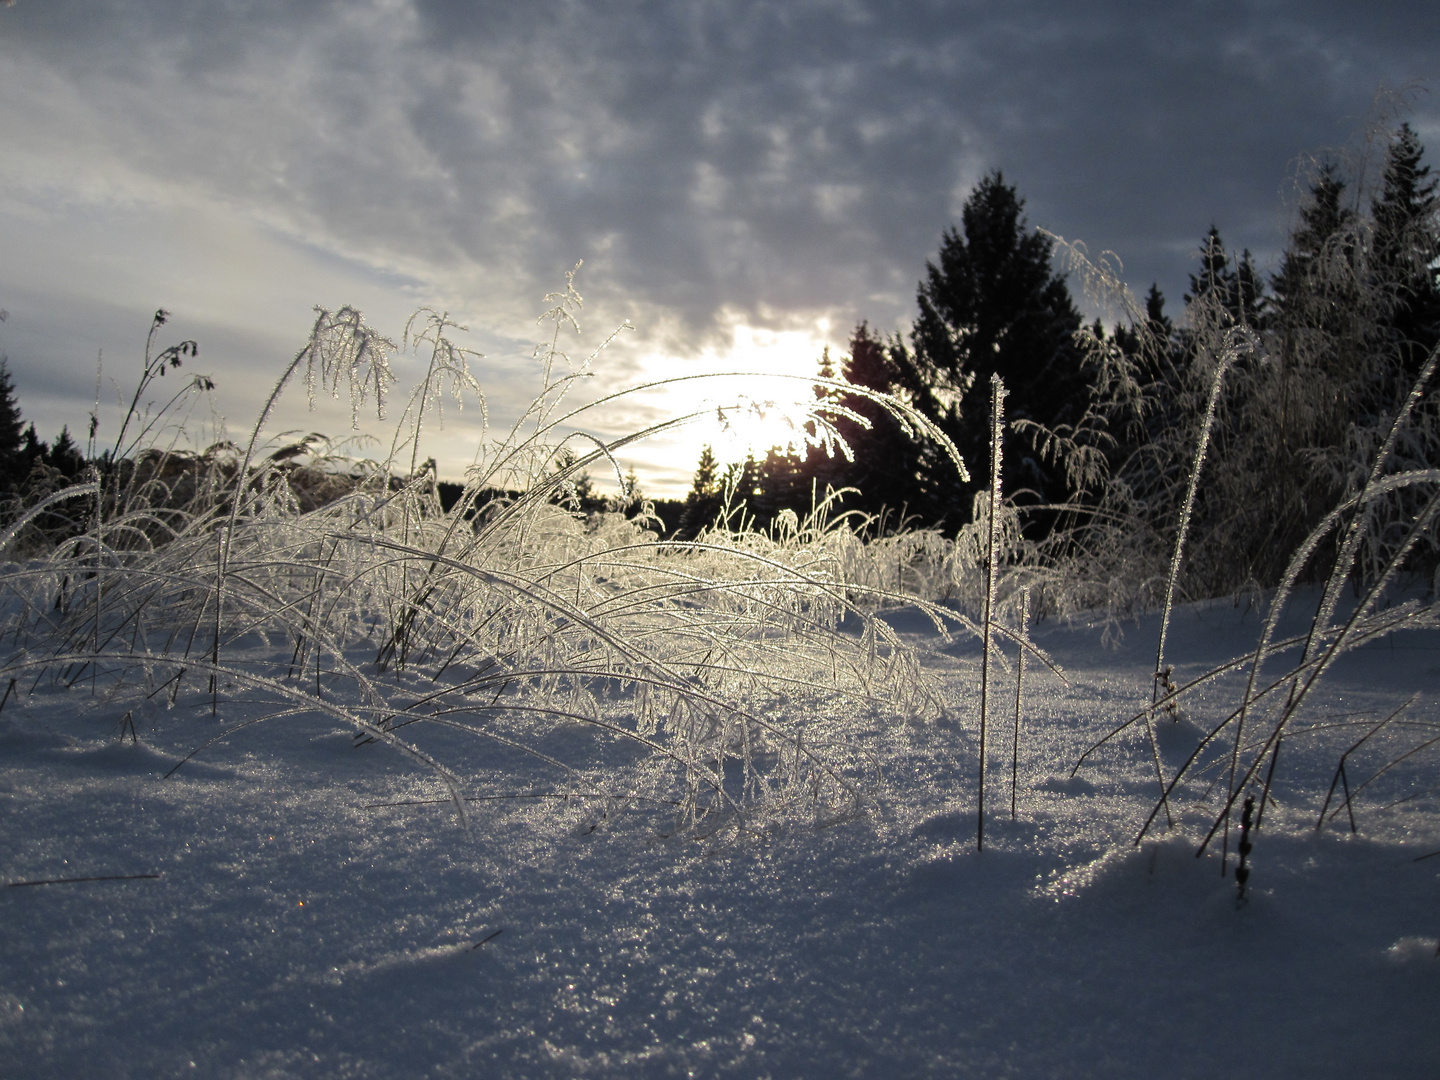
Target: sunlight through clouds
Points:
(748, 413)
(725, 171)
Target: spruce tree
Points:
(1135, 402)
(1160, 323)
(1322, 217)
(33, 452)
(631, 493)
(818, 470)
(65, 457)
(702, 504)
(1318, 332)
(993, 303)
(887, 462)
(784, 483)
(740, 489)
(1234, 285)
(577, 492)
(1407, 245)
(13, 466)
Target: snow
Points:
(297, 929)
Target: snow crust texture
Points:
(319, 909)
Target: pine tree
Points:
(1316, 318)
(32, 452)
(1407, 245)
(631, 494)
(703, 503)
(13, 466)
(993, 304)
(887, 462)
(64, 456)
(1237, 289)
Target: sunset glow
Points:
(748, 412)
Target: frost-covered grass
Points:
(499, 620)
(379, 790)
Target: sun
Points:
(755, 427)
(754, 392)
(767, 408)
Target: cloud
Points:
(787, 161)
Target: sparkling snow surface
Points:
(297, 931)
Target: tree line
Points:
(26, 460)
(1307, 364)
(1102, 421)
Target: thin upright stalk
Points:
(1186, 512)
(1019, 690)
(1222, 364)
(997, 429)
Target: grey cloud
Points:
(1130, 130)
(706, 154)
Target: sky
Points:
(743, 181)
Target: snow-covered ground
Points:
(296, 929)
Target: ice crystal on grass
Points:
(508, 620)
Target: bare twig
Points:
(79, 880)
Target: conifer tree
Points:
(1318, 333)
(1160, 323)
(1236, 287)
(819, 471)
(1140, 403)
(826, 371)
(783, 482)
(1311, 376)
(1322, 217)
(707, 475)
(577, 492)
(13, 466)
(703, 502)
(1132, 339)
(1406, 246)
(887, 462)
(631, 493)
(740, 488)
(32, 453)
(65, 457)
(993, 304)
